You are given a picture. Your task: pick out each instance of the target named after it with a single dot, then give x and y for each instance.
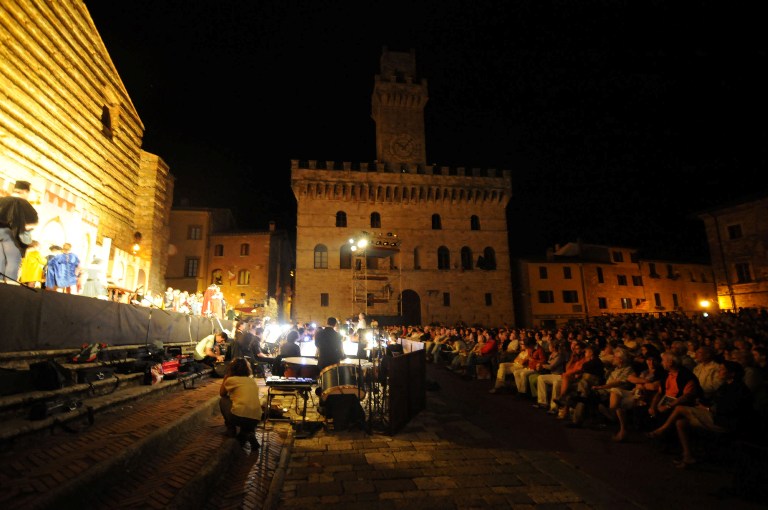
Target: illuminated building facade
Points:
(738, 246)
(450, 260)
(254, 266)
(68, 126)
(580, 280)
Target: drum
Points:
(362, 363)
(300, 367)
(342, 379)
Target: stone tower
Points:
(398, 110)
(437, 236)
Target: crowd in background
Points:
(659, 375)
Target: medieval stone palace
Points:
(398, 239)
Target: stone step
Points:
(91, 400)
(161, 449)
(59, 466)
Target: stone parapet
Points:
(404, 168)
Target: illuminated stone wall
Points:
(585, 280)
(69, 127)
(738, 247)
(406, 202)
(405, 193)
(256, 264)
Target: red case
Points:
(170, 367)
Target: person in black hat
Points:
(17, 219)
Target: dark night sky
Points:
(618, 119)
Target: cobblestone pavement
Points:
(469, 449)
(483, 452)
(423, 467)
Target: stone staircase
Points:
(130, 445)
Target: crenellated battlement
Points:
(399, 168)
(406, 80)
(376, 182)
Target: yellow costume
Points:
(32, 266)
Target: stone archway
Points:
(410, 307)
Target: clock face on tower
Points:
(403, 146)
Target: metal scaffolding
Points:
(376, 274)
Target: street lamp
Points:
(705, 304)
(136, 243)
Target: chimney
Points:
(271, 226)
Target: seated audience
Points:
(680, 388)
(646, 384)
(729, 410)
(551, 368)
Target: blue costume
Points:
(69, 263)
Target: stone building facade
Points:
(578, 281)
(207, 248)
(438, 248)
(69, 128)
(738, 246)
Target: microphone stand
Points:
(149, 320)
(361, 380)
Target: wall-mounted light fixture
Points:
(242, 298)
(136, 242)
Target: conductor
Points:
(344, 410)
(330, 349)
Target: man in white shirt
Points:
(208, 350)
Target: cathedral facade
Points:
(403, 241)
(68, 126)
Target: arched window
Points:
(321, 257)
(217, 277)
(466, 258)
(443, 258)
(375, 220)
(489, 259)
(341, 219)
(474, 222)
(416, 258)
(345, 256)
(436, 223)
(243, 277)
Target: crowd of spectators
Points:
(658, 375)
